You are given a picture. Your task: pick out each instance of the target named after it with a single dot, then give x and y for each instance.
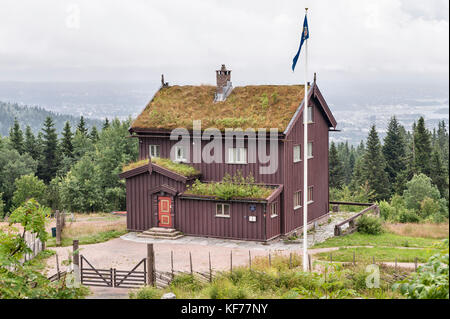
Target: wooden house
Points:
(158, 196)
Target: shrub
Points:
(430, 281)
(369, 225)
(429, 207)
(387, 212)
(408, 216)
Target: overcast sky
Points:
(60, 40)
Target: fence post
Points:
(373, 260)
(290, 260)
(415, 264)
(270, 260)
(331, 258)
(249, 260)
(171, 262)
(76, 260)
(57, 265)
(210, 268)
(354, 259)
(150, 265)
(190, 262)
(58, 228)
(231, 261)
(309, 262)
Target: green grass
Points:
(380, 254)
(88, 239)
(385, 239)
(179, 168)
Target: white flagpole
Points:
(305, 162)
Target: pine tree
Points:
(94, 134)
(50, 157)
(374, 167)
(106, 124)
(16, 137)
(30, 145)
(422, 148)
(335, 168)
(394, 151)
(82, 126)
(66, 141)
(439, 174)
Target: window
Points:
(154, 151)
(237, 155)
(297, 153)
(298, 200)
(310, 114)
(274, 210)
(222, 210)
(310, 150)
(310, 194)
(180, 154)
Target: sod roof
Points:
(263, 106)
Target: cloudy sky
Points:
(85, 40)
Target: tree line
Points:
(407, 161)
(77, 170)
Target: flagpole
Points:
(305, 162)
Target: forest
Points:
(406, 173)
(77, 170)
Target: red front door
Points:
(164, 208)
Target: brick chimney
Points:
(224, 85)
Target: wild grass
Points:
(279, 282)
(91, 230)
(179, 168)
(423, 230)
(231, 187)
(246, 107)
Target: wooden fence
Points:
(35, 245)
(338, 231)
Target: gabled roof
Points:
(149, 167)
(263, 106)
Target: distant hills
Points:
(35, 117)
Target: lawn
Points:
(386, 239)
(379, 253)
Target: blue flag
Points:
(305, 35)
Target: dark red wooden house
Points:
(156, 196)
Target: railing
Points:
(351, 221)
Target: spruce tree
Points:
(66, 141)
(105, 124)
(336, 169)
(82, 126)
(16, 137)
(374, 167)
(94, 134)
(30, 145)
(50, 157)
(422, 148)
(439, 174)
(394, 151)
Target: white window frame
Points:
(300, 200)
(181, 158)
(310, 150)
(233, 155)
(153, 148)
(310, 114)
(299, 158)
(274, 210)
(311, 192)
(222, 208)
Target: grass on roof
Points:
(179, 168)
(231, 187)
(263, 106)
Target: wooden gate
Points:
(133, 278)
(95, 277)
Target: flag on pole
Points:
(305, 36)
